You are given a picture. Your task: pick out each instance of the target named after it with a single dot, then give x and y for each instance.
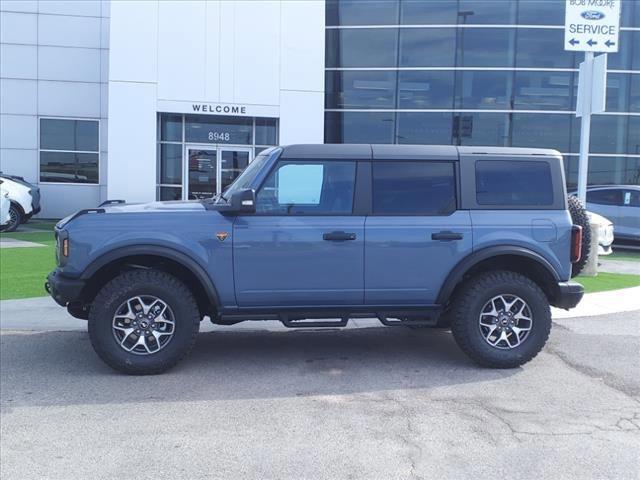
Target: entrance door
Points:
(212, 169)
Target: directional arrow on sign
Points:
(591, 43)
(609, 43)
(573, 41)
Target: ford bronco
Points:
(478, 240)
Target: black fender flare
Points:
(156, 251)
(457, 273)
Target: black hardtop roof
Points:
(357, 151)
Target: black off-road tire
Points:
(16, 218)
(579, 217)
(143, 282)
(467, 306)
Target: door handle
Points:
(338, 236)
(446, 236)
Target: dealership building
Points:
(160, 100)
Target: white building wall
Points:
(52, 64)
(166, 55)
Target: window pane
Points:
(360, 89)
(170, 163)
(613, 170)
(217, 129)
(628, 56)
(542, 48)
(266, 131)
(492, 12)
(170, 127)
(361, 48)
(605, 197)
(67, 167)
(483, 90)
(545, 90)
(541, 12)
(431, 12)
(169, 193)
(413, 188)
(432, 47)
(503, 182)
(424, 128)
(611, 134)
(489, 129)
(623, 92)
(486, 47)
(362, 12)
(308, 188)
(542, 131)
(79, 135)
(357, 127)
(424, 89)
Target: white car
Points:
(5, 203)
(605, 233)
(24, 200)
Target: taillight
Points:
(576, 243)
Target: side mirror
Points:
(242, 201)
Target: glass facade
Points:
(199, 155)
(476, 72)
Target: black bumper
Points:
(62, 289)
(568, 295)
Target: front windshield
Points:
(246, 177)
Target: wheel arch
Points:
(110, 264)
(512, 258)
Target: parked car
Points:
(621, 205)
(5, 204)
(24, 200)
(605, 233)
(476, 239)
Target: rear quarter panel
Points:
(546, 232)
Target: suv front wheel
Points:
(143, 322)
(501, 319)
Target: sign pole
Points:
(585, 126)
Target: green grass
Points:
(24, 270)
(38, 237)
(623, 255)
(608, 281)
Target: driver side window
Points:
(308, 188)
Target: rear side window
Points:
(605, 197)
(413, 188)
(513, 183)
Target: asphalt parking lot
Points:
(368, 403)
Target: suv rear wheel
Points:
(15, 218)
(143, 322)
(501, 319)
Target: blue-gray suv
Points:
(479, 240)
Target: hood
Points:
(173, 206)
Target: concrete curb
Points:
(43, 314)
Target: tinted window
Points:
(544, 90)
(363, 47)
(483, 90)
(69, 150)
(427, 47)
(266, 131)
(539, 48)
(68, 135)
(605, 197)
(170, 127)
(504, 183)
(424, 128)
(631, 198)
(413, 188)
(361, 12)
(360, 89)
(170, 163)
(313, 188)
(357, 127)
(425, 89)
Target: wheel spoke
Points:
(132, 322)
(505, 321)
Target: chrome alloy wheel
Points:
(505, 321)
(143, 325)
